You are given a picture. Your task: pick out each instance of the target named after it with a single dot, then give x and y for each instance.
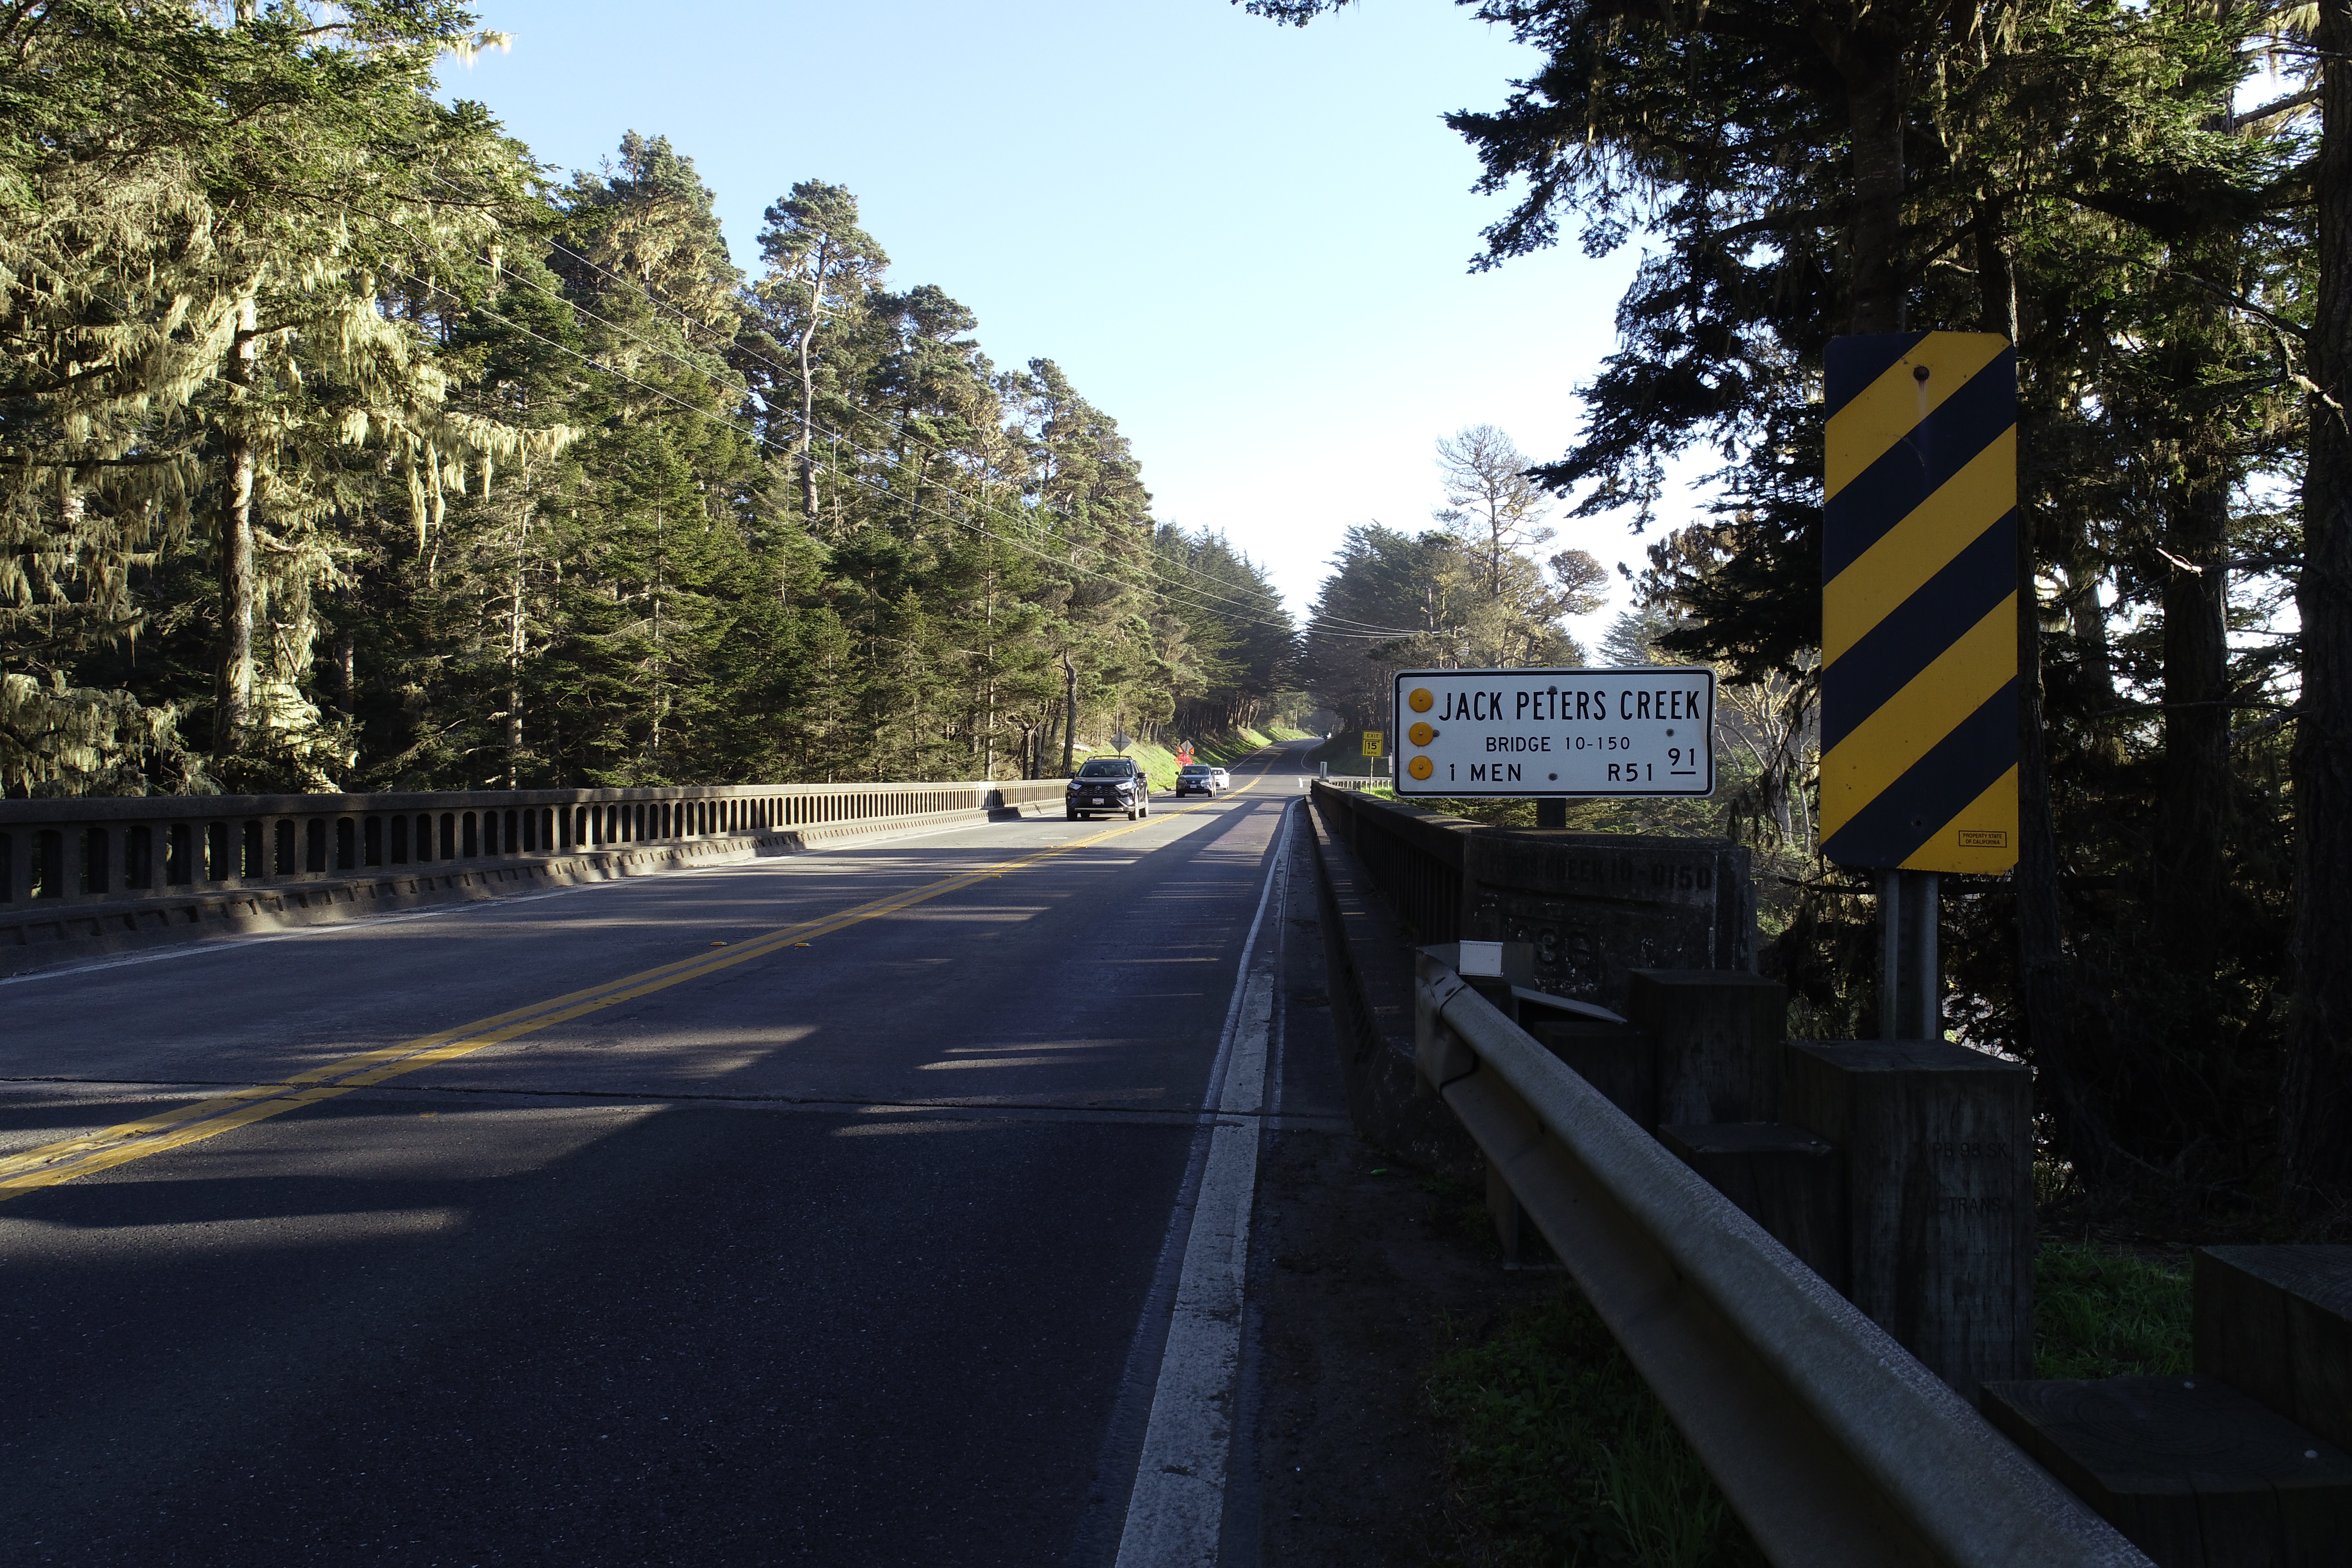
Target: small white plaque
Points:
(1483, 959)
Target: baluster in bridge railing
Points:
(93, 862)
(138, 859)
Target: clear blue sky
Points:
(1247, 243)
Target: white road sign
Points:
(1556, 731)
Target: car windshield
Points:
(1198, 768)
(1107, 768)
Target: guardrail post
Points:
(1618, 1059)
(1440, 1055)
(2244, 1462)
(2276, 1321)
(1939, 1151)
(90, 875)
(1787, 1179)
(1719, 1036)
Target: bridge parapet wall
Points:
(1595, 907)
(98, 873)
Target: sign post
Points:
(1557, 733)
(1919, 606)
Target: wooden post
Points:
(2276, 1321)
(1618, 1059)
(1719, 1035)
(1786, 1179)
(1939, 1240)
(2190, 1469)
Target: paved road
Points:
(851, 1240)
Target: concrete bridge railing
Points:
(108, 871)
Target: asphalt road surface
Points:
(554, 1230)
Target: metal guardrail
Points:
(59, 854)
(1832, 1444)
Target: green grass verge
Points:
(2098, 1313)
(1564, 1456)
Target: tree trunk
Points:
(2193, 811)
(990, 739)
(2086, 617)
(1069, 716)
(346, 674)
(233, 697)
(2315, 1102)
(1875, 83)
(808, 395)
(2044, 989)
(515, 646)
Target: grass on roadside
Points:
(2100, 1312)
(1563, 1455)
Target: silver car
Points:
(1198, 778)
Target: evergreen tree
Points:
(2081, 179)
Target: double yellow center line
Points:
(170, 1129)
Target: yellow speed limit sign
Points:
(1372, 739)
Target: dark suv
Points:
(1106, 784)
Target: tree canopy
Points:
(2154, 202)
(347, 448)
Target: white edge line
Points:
(1175, 1510)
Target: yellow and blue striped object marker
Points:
(1919, 590)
